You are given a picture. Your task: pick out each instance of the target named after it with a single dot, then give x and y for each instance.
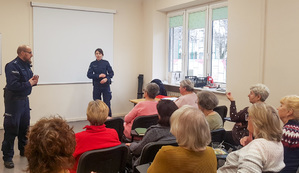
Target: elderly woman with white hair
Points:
(258, 93)
(289, 114)
(188, 97)
(189, 126)
(265, 152)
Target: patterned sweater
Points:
(290, 141)
(240, 128)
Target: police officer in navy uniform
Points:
(101, 74)
(19, 82)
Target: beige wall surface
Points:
(281, 58)
(262, 44)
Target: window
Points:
(198, 42)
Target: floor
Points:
(21, 162)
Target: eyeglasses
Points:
(28, 52)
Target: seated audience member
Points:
(162, 91)
(192, 133)
(159, 132)
(188, 97)
(96, 135)
(289, 114)
(265, 152)
(258, 93)
(147, 107)
(207, 101)
(50, 147)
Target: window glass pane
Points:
(219, 44)
(196, 42)
(175, 43)
(175, 21)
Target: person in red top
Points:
(96, 135)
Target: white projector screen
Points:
(64, 41)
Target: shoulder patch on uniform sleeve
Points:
(15, 72)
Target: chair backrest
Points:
(145, 121)
(150, 150)
(218, 135)
(107, 160)
(116, 123)
(222, 111)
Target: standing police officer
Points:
(101, 74)
(19, 82)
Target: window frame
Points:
(185, 40)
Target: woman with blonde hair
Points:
(189, 126)
(289, 114)
(265, 152)
(188, 96)
(51, 143)
(96, 135)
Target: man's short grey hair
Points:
(188, 84)
(207, 100)
(260, 90)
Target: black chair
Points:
(108, 160)
(222, 111)
(116, 123)
(143, 122)
(150, 150)
(218, 135)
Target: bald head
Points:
(25, 53)
(23, 48)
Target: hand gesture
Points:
(103, 80)
(102, 75)
(245, 140)
(229, 96)
(34, 80)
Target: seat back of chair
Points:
(150, 150)
(218, 135)
(145, 121)
(116, 123)
(222, 111)
(108, 160)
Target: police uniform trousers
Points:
(16, 124)
(98, 92)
